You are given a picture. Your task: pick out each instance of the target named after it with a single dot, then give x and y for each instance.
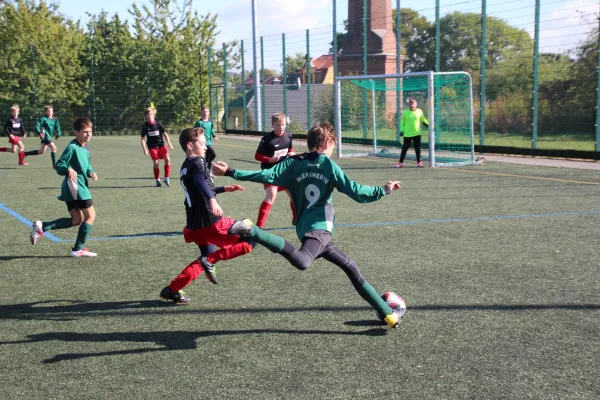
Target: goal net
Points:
(370, 107)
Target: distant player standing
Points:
(205, 223)
(48, 127)
(310, 179)
(209, 132)
(74, 165)
(273, 148)
(15, 129)
(153, 141)
(410, 125)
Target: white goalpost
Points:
(369, 108)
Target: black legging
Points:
(312, 249)
(210, 155)
(407, 142)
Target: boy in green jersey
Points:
(310, 179)
(47, 127)
(74, 165)
(410, 126)
(209, 132)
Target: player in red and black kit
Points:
(156, 136)
(14, 129)
(205, 224)
(274, 147)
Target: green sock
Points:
(82, 236)
(61, 223)
(270, 241)
(368, 293)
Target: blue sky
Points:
(561, 28)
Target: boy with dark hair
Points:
(209, 133)
(74, 165)
(273, 148)
(15, 129)
(155, 137)
(47, 127)
(205, 224)
(310, 179)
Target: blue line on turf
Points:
(368, 224)
(27, 222)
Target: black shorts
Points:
(47, 142)
(79, 204)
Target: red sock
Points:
(167, 171)
(263, 213)
(227, 253)
(3, 149)
(189, 273)
(156, 173)
(21, 157)
(293, 211)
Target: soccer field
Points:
(498, 265)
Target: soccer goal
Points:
(369, 108)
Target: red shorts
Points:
(159, 153)
(279, 188)
(14, 140)
(215, 234)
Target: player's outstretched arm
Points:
(219, 168)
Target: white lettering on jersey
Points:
(276, 145)
(153, 133)
(16, 126)
(280, 153)
(314, 175)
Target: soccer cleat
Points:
(158, 183)
(82, 253)
(23, 163)
(393, 320)
(242, 228)
(399, 165)
(178, 297)
(420, 164)
(211, 270)
(167, 182)
(36, 231)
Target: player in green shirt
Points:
(209, 132)
(310, 179)
(74, 165)
(47, 127)
(410, 125)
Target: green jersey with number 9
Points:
(310, 178)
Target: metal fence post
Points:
(308, 81)
(365, 101)
(536, 55)
(482, 73)
(262, 82)
(285, 111)
(243, 90)
(210, 99)
(225, 87)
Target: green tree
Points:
(294, 63)
(117, 63)
(178, 40)
(41, 63)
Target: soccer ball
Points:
(396, 302)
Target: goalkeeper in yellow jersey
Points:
(410, 126)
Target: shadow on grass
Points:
(170, 340)
(69, 310)
(6, 258)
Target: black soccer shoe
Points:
(242, 228)
(211, 270)
(177, 297)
